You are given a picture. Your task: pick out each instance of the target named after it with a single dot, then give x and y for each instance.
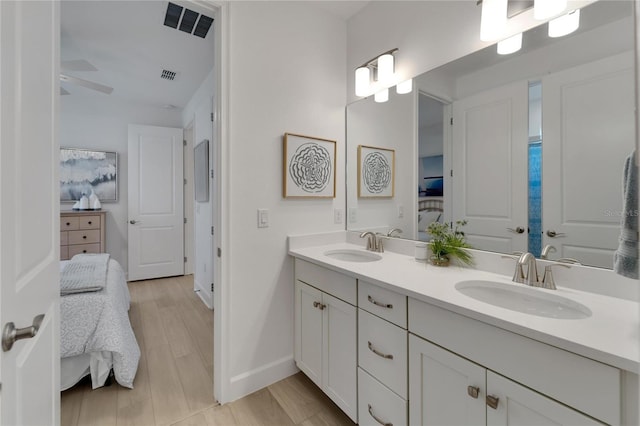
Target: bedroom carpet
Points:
(173, 385)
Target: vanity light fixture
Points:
(493, 19)
(565, 24)
(510, 45)
(363, 76)
(545, 9)
(404, 87)
(381, 96)
(385, 69)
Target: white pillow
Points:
(426, 217)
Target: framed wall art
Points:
(309, 167)
(376, 172)
(83, 170)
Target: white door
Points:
(588, 127)
(29, 210)
(444, 389)
(516, 405)
(308, 329)
(156, 215)
(489, 183)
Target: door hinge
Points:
(211, 287)
(451, 121)
(185, 220)
(184, 142)
(211, 116)
(212, 230)
(219, 252)
(451, 172)
(185, 181)
(185, 259)
(212, 174)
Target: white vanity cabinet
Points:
(326, 332)
(448, 389)
(518, 381)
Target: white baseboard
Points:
(261, 377)
(204, 293)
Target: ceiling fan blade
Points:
(63, 91)
(77, 65)
(86, 83)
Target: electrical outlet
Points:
(263, 218)
(337, 216)
(400, 211)
(353, 215)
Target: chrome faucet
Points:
(390, 233)
(546, 250)
(531, 277)
(374, 243)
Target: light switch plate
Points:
(353, 215)
(337, 216)
(400, 211)
(263, 218)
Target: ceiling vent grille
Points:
(187, 20)
(168, 75)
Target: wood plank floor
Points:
(174, 382)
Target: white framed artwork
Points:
(376, 172)
(309, 167)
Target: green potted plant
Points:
(447, 243)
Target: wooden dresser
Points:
(81, 232)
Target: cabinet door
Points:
(340, 354)
(519, 406)
(308, 329)
(442, 385)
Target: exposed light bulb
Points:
(545, 9)
(385, 69)
(362, 81)
(493, 20)
(510, 45)
(404, 87)
(381, 96)
(565, 24)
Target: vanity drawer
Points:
(383, 303)
(377, 404)
(89, 222)
(84, 237)
(584, 384)
(64, 238)
(382, 351)
(69, 223)
(83, 248)
(336, 284)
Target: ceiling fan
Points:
(80, 65)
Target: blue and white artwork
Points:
(82, 171)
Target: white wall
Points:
(286, 73)
(100, 122)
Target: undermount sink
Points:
(351, 255)
(523, 299)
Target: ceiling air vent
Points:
(168, 75)
(187, 20)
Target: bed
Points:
(429, 210)
(95, 333)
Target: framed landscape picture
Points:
(83, 170)
(376, 172)
(309, 167)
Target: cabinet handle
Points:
(319, 305)
(68, 223)
(380, 354)
(382, 305)
(377, 419)
(89, 222)
(473, 391)
(492, 401)
(84, 237)
(84, 251)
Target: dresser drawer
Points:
(83, 248)
(84, 237)
(64, 238)
(383, 303)
(382, 351)
(89, 222)
(377, 404)
(69, 223)
(64, 253)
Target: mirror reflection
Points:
(529, 148)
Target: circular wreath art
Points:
(310, 167)
(376, 172)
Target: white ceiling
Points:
(342, 9)
(130, 45)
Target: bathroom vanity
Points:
(395, 341)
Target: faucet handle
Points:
(518, 274)
(547, 279)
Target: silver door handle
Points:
(517, 230)
(133, 222)
(10, 333)
(553, 234)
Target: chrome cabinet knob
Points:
(473, 391)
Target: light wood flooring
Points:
(174, 382)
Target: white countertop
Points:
(610, 335)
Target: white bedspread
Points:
(99, 321)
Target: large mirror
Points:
(529, 148)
